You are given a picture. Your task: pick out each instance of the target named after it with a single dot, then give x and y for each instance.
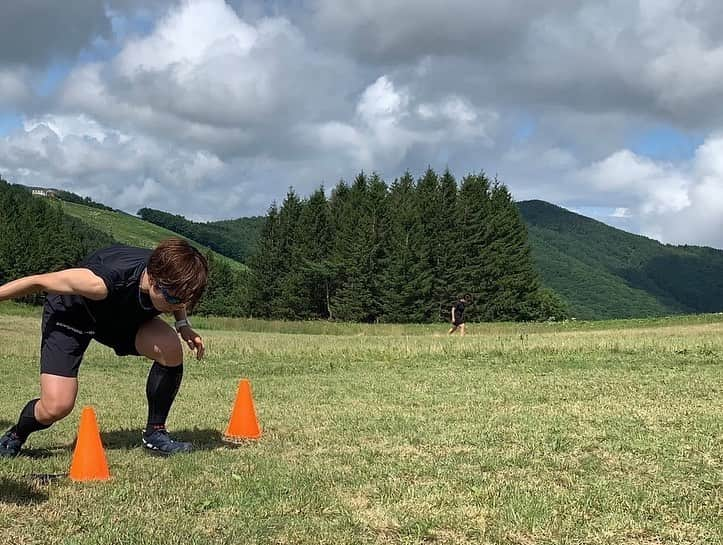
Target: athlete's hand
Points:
(193, 340)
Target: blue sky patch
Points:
(665, 143)
(524, 128)
(9, 122)
(52, 78)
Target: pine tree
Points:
(426, 243)
(448, 256)
(353, 296)
(359, 249)
(377, 240)
(472, 259)
(265, 264)
(226, 293)
(400, 287)
(508, 268)
(290, 302)
(316, 239)
(517, 292)
(345, 211)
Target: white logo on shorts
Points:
(74, 330)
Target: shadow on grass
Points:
(20, 493)
(5, 424)
(130, 439)
(40, 453)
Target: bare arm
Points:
(68, 282)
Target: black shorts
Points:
(64, 343)
(458, 323)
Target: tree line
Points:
(369, 252)
(37, 236)
(398, 253)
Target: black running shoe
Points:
(159, 442)
(10, 444)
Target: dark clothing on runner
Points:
(71, 321)
(458, 313)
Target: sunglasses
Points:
(170, 298)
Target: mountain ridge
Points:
(605, 272)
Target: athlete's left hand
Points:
(193, 340)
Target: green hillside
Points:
(603, 272)
(130, 229)
(236, 239)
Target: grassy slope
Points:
(236, 238)
(604, 272)
(525, 436)
(129, 229)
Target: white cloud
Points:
(675, 203)
(216, 31)
(65, 125)
(390, 122)
(382, 104)
(621, 212)
(211, 113)
(74, 153)
(661, 187)
(208, 79)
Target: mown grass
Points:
(131, 230)
(569, 433)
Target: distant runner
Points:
(114, 297)
(458, 314)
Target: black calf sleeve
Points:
(161, 389)
(27, 423)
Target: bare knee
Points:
(156, 340)
(169, 353)
(51, 409)
(166, 350)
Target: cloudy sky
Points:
(213, 109)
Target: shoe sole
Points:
(155, 451)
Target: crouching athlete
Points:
(114, 297)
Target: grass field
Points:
(605, 432)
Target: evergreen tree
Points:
(508, 267)
(226, 293)
(403, 253)
(341, 214)
(377, 241)
(265, 265)
(448, 255)
(426, 243)
(400, 286)
(315, 240)
(472, 254)
(359, 250)
(37, 237)
(289, 302)
(353, 296)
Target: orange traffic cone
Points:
(89, 462)
(243, 424)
